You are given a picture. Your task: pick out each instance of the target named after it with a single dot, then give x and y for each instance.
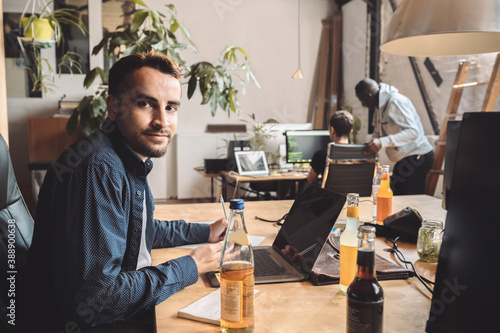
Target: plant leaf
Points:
(138, 20)
(192, 86)
(139, 2)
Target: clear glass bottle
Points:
(384, 196)
(375, 187)
(430, 237)
(237, 274)
(349, 243)
(365, 296)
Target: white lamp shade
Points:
(424, 28)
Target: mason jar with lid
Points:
(430, 237)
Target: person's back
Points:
(341, 123)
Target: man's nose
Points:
(160, 119)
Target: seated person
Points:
(341, 123)
(90, 260)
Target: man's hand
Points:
(372, 147)
(217, 231)
(207, 257)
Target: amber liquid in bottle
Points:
(365, 297)
(384, 197)
(237, 297)
(349, 243)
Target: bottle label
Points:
(239, 237)
(364, 317)
(352, 211)
(231, 300)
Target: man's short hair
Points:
(366, 86)
(120, 71)
(342, 122)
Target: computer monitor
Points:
(303, 144)
(466, 290)
(452, 137)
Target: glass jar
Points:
(430, 236)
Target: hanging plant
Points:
(43, 30)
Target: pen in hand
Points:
(224, 211)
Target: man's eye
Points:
(143, 104)
(172, 108)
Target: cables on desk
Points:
(278, 222)
(402, 258)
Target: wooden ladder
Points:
(451, 112)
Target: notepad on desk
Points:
(207, 308)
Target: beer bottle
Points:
(349, 243)
(365, 297)
(384, 196)
(237, 274)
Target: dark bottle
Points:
(365, 297)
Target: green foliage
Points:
(216, 82)
(152, 30)
(261, 132)
(44, 80)
(56, 18)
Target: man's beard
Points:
(146, 150)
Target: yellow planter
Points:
(39, 29)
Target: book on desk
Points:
(207, 308)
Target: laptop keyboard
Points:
(266, 264)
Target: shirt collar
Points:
(130, 159)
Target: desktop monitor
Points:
(466, 290)
(452, 137)
(303, 144)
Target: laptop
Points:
(251, 163)
(300, 240)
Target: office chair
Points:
(348, 170)
(16, 227)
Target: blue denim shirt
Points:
(82, 263)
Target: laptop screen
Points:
(251, 163)
(307, 226)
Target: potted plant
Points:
(43, 30)
(40, 26)
(151, 30)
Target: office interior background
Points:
(268, 30)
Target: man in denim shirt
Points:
(89, 263)
(399, 130)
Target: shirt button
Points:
(136, 230)
(138, 192)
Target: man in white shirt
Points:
(399, 130)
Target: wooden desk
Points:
(301, 306)
(283, 180)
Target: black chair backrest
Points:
(16, 228)
(348, 170)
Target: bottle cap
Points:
(236, 204)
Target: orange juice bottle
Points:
(349, 243)
(384, 196)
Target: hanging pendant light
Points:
(444, 28)
(298, 72)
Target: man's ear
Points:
(112, 106)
